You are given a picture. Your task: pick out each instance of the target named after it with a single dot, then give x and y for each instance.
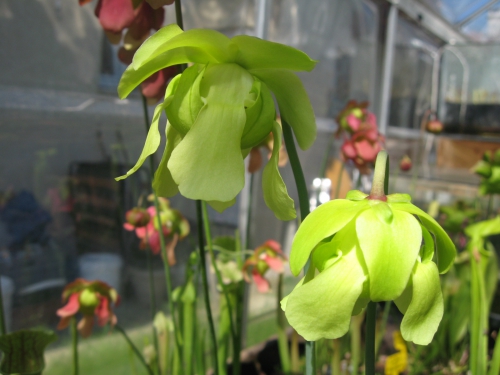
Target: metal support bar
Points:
(484, 8)
(390, 36)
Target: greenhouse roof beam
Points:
(478, 12)
(430, 20)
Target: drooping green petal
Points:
(208, 164)
(155, 41)
(389, 250)
(186, 102)
(355, 195)
(446, 250)
(324, 221)
(428, 249)
(274, 189)
(325, 255)
(295, 107)
(423, 315)
(322, 308)
(221, 206)
(255, 53)
(152, 142)
(131, 78)
(163, 183)
(260, 117)
(211, 42)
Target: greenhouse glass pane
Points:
(414, 56)
(342, 35)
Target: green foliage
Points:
(489, 170)
(23, 351)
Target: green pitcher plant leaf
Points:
(218, 109)
(368, 249)
(23, 351)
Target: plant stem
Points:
(168, 279)
(356, 323)
(153, 304)
(3, 330)
(74, 344)
(204, 277)
(282, 338)
(240, 290)
(178, 14)
(370, 338)
(339, 180)
(335, 365)
(300, 182)
(380, 177)
(385, 317)
(134, 349)
(208, 236)
(495, 360)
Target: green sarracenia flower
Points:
(218, 109)
(368, 247)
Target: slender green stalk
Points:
(300, 181)
(224, 333)
(240, 290)
(3, 330)
(178, 14)
(134, 349)
(479, 319)
(495, 360)
(204, 278)
(168, 278)
(335, 365)
(380, 177)
(383, 324)
(339, 180)
(74, 345)
(282, 338)
(294, 353)
(208, 236)
(370, 338)
(490, 206)
(356, 323)
(153, 304)
(188, 313)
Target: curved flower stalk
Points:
(220, 108)
(267, 256)
(145, 223)
(368, 247)
(88, 298)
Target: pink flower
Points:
(90, 298)
(267, 256)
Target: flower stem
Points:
(383, 324)
(208, 235)
(379, 185)
(134, 349)
(282, 338)
(153, 303)
(335, 365)
(204, 278)
(74, 344)
(300, 182)
(3, 330)
(168, 279)
(370, 338)
(178, 14)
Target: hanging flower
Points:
(220, 108)
(174, 226)
(88, 298)
(351, 116)
(138, 18)
(362, 148)
(368, 247)
(405, 163)
(267, 256)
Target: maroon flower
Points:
(90, 298)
